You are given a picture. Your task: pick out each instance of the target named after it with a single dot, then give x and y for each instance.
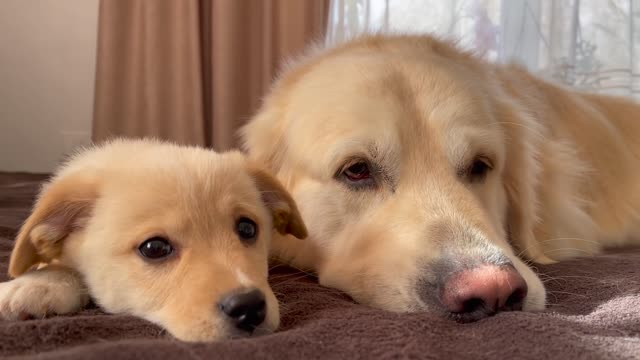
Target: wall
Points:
(47, 65)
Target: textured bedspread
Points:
(594, 313)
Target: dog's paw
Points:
(43, 292)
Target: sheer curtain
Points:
(588, 44)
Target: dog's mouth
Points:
(478, 312)
(477, 309)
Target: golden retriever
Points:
(429, 178)
(176, 235)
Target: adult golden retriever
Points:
(429, 178)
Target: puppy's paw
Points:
(47, 291)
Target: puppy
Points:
(175, 235)
(429, 178)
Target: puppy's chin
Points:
(261, 330)
(215, 329)
(226, 333)
(266, 328)
(202, 337)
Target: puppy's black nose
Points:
(246, 310)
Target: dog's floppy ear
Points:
(286, 217)
(263, 136)
(522, 169)
(64, 206)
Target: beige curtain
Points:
(193, 71)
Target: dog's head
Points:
(401, 156)
(175, 235)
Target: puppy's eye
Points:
(247, 230)
(479, 169)
(155, 248)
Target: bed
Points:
(593, 313)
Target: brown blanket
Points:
(594, 313)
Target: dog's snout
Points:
(247, 310)
(476, 293)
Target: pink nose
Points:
(480, 292)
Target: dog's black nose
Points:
(246, 310)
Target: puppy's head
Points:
(175, 235)
(395, 150)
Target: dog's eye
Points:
(357, 175)
(156, 248)
(358, 172)
(247, 230)
(479, 169)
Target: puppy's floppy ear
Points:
(64, 206)
(286, 217)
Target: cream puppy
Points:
(176, 235)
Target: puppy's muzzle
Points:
(246, 310)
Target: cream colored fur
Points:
(96, 211)
(565, 178)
